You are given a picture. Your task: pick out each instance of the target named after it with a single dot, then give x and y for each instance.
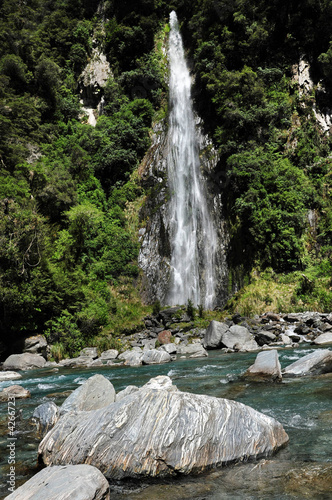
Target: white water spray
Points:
(192, 233)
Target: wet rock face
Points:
(79, 482)
(155, 252)
(161, 432)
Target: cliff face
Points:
(155, 253)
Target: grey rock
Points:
(170, 348)
(14, 391)
(214, 335)
(132, 357)
(45, 417)
(315, 363)
(153, 357)
(125, 392)
(96, 362)
(25, 361)
(76, 482)
(90, 352)
(160, 382)
(36, 345)
(292, 317)
(240, 339)
(162, 433)
(266, 367)
(193, 350)
(285, 339)
(95, 393)
(81, 361)
(4, 376)
(109, 354)
(264, 337)
(324, 338)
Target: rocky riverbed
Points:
(300, 401)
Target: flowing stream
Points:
(192, 233)
(302, 405)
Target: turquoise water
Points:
(303, 406)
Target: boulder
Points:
(240, 339)
(132, 358)
(95, 393)
(25, 361)
(36, 345)
(164, 337)
(170, 348)
(324, 338)
(79, 482)
(45, 416)
(214, 335)
(192, 350)
(266, 367)
(315, 363)
(264, 337)
(109, 354)
(14, 391)
(154, 357)
(81, 361)
(90, 352)
(285, 339)
(161, 432)
(4, 376)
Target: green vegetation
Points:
(70, 194)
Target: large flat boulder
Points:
(4, 376)
(77, 482)
(25, 361)
(95, 393)
(324, 338)
(157, 431)
(315, 363)
(266, 367)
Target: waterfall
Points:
(193, 236)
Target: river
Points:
(302, 405)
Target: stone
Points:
(264, 337)
(132, 358)
(192, 350)
(25, 361)
(272, 316)
(162, 432)
(170, 348)
(36, 345)
(285, 339)
(45, 416)
(90, 352)
(4, 376)
(109, 354)
(315, 363)
(77, 482)
(292, 317)
(164, 337)
(240, 339)
(14, 391)
(96, 392)
(266, 367)
(324, 338)
(153, 357)
(81, 361)
(214, 335)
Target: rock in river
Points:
(315, 363)
(77, 482)
(161, 432)
(266, 367)
(25, 361)
(96, 392)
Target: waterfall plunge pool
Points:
(303, 405)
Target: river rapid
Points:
(303, 405)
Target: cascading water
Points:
(192, 233)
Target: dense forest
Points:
(70, 194)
